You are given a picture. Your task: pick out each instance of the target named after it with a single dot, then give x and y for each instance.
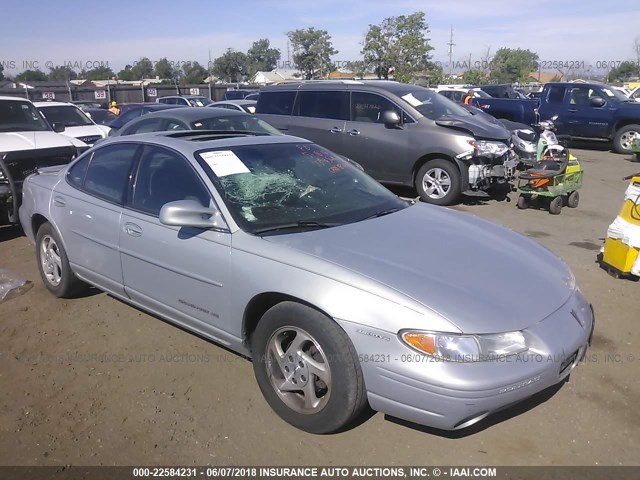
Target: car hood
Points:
(15, 141)
(482, 277)
(476, 125)
(82, 131)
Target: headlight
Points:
(493, 149)
(465, 348)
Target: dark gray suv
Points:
(401, 134)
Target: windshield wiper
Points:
(382, 213)
(306, 224)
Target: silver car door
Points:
(86, 208)
(177, 272)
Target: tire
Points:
(624, 137)
(523, 202)
(53, 264)
(573, 199)
(332, 393)
(438, 182)
(555, 205)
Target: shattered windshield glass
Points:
(280, 188)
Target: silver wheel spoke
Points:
(311, 400)
(317, 368)
(296, 344)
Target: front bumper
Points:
(450, 395)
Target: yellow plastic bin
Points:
(619, 256)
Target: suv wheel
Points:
(623, 140)
(438, 182)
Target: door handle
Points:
(336, 130)
(132, 229)
(354, 132)
(58, 201)
(572, 110)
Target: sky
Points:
(86, 34)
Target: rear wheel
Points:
(573, 200)
(555, 205)
(53, 264)
(307, 369)
(623, 140)
(438, 182)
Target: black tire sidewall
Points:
(555, 206)
(453, 195)
(573, 199)
(347, 385)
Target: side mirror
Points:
(190, 213)
(58, 127)
(597, 102)
(390, 119)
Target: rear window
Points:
(276, 103)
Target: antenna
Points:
(451, 45)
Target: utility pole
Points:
(451, 45)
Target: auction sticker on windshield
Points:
(224, 162)
(413, 101)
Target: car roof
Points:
(184, 96)
(373, 85)
(234, 102)
(17, 99)
(190, 141)
(54, 104)
(196, 113)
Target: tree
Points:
(143, 68)
(231, 66)
(262, 58)
(474, 77)
(623, 72)
(398, 44)
(98, 73)
(358, 68)
(1, 71)
(165, 70)
(312, 50)
(193, 72)
(512, 65)
(62, 73)
(31, 76)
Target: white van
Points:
(77, 124)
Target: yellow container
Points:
(618, 255)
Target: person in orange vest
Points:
(468, 98)
(114, 108)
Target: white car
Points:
(457, 94)
(27, 143)
(246, 106)
(77, 124)
(635, 94)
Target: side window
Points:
(276, 103)
(579, 96)
(368, 107)
(164, 176)
(175, 125)
(334, 105)
(163, 100)
(556, 94)
(108, 174)
(76, 174)
(144, 126)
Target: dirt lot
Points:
(93, 381)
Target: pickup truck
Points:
(590, 111)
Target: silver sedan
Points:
(341, 293)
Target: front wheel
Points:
(623, 140)
(53, 264)
(573, 199)
(555, 205)
(438, 182)
(307, 369)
